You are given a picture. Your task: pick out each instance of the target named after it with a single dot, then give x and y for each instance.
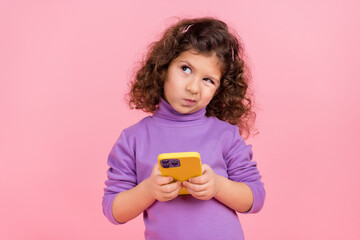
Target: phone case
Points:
(181, 166)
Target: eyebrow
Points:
(192, 67)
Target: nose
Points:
(193, 86)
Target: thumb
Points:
(205, 168)
(156, 169)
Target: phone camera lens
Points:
(175, 162)
(165, 163)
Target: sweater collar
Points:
(166, 112)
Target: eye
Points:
(209, 80)
(186, 69)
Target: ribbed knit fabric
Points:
(220, 146)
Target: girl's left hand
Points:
(203, 187)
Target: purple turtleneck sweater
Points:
(134, 154)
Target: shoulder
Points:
(137, 127)
(228, 134)
(222, 126)
(129, 134)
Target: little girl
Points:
(195, 84)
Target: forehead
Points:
(206, 63)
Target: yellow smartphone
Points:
(181, 166)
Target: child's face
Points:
(192, 80)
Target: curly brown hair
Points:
(233, 100)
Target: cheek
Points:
(169, 89)
(172, 84)
(210, 93)
(166, 89)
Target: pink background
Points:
(64, 67)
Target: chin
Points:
(183, 111)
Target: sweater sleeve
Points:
(241, 168)
(121, 174)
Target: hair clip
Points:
(186, 29)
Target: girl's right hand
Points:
(161, 187)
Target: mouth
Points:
(190, 102)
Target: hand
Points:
(161, 187)
(203, 187)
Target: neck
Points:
(166, 113)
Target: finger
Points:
(172, 187)
(176, 192)
(171, 195)
(163, 180)
(156, 169)
(203, 179)
(199, 195)
(194, 187)
(206, 168)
